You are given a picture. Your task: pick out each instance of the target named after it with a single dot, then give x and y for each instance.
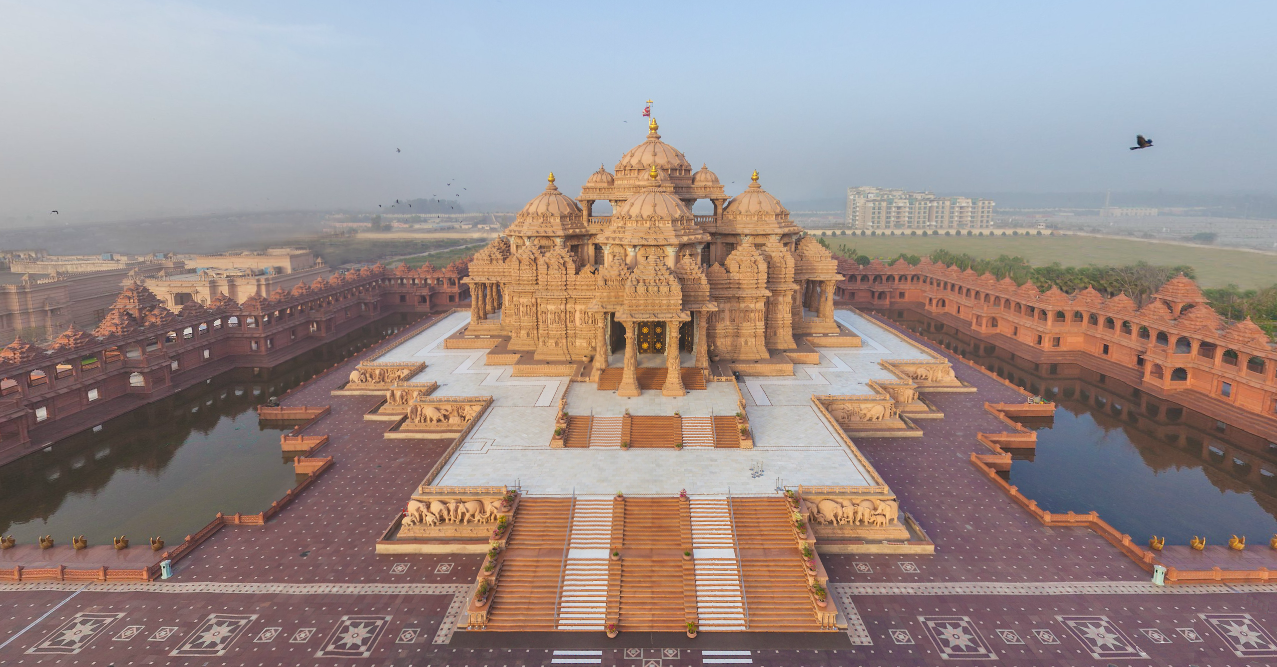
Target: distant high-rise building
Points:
(883, 209)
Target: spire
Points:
(652, 127)
(753, 180)
(549, 185)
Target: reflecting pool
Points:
(1149, 466)
(168, 468)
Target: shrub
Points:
(558, 432)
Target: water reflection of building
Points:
(1166, 433)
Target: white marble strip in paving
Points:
(1049, 588)
(856, 630)
(448, 625)
(248, 588)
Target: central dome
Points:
(654, 153)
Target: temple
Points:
(652, 277)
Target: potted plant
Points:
(682, 494)
(482, 593)
(558, 432)
(620, 495)
(502, 524)
(820, 594)
(625, 444)
(678, 445)
(809, 558)
(616, 555)
(691, 630)
(687, 555)
(612, 631)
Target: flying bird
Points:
(378, 205)
(396, 201)
(398, 151)
(52, 212)
(1141, 142)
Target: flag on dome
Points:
(647, 110)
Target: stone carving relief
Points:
(871, 512)
(443, 413)
(375, 375)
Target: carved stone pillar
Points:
(629, 378)
(673, 367)
(476, 308)
(700, 346)
(481, 298)
(601, 350)
(827, 300)
(490, 289)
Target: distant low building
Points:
(880, 209)
(1127, 212)
(237, 275)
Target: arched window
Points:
(1179, 375)
(132, 352)
(1042, 315)
(1230, 357)
(1156, 371)
(1206, 350)
(232, 322)
(1255, 365)
(136, 380)
(1059, 316)
(993, 323)
(1109, 323)
(189, 332)
(1183, 346)
(1077, 316)
(1019, 309)
(1126, 328)
(1144, 333)
(1094, 320)
(170, 337)
(1163, 339)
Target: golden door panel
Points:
(651, 337)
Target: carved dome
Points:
(601, 178)
(653, 216)
(705, 177)
(654, 153)
(550, 213)
(755, 202)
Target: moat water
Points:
(1147, 465)
(168, 468)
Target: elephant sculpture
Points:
(356, 377)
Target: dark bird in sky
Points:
(396, 201)
(463, 188)
(398, 151)
(52, 212)
(378, 205)
(1141, 142)
(409, 205)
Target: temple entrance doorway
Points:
(616, 334)
(686, 336)
(651, 337)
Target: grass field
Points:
(442, 258)
(1216, 267)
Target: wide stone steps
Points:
(698, 432)
(727, 431)
(606, 431)
(651, 379)
(578, 433)
(719, 603)
(651, 431)
(771, 566)
(584, 594)
(528, 583)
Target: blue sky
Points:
(138, 107)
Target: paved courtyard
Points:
(307, 588)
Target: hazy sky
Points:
(138, 107)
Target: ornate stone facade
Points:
(652, 277)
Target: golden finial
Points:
(754, 178)
(652, 174)
(651, 125)
(551, 178)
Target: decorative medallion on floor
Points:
(354, 637)
(214, 635)
(957, 638)
(1101, 638)
(71, 637)
(1242, 634)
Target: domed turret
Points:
(550, 213)
(654, 153)
(704, 178)
(601, 178)
(757, 212)
(653, 216)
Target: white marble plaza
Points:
(793, 443)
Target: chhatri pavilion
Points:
(653, 278)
